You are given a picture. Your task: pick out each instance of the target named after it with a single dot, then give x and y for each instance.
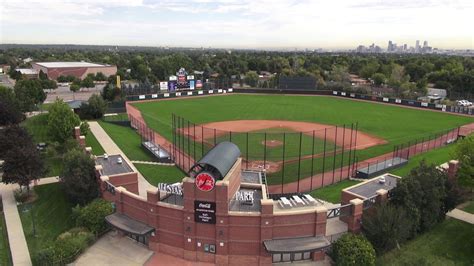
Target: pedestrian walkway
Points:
(153, 163)
(461, 215)
(16, 236)
(111, 148)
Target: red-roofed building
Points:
(76, 69)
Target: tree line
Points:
(406, 74)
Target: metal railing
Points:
(339, 211)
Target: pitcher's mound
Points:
(272, 143)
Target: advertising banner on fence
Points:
(191, 84)
(163, 85)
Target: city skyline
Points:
(237, 24)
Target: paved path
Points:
(111, 148)
(461, 215)
(114, 249)
(16, 236)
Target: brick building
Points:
(76, 69)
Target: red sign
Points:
(205, 181)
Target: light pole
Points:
(29, 208)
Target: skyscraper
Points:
(390, 46)
(417, 46)
(425, 44)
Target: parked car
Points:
(464, 103)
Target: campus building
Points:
(76, 69)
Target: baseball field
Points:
(380, 126)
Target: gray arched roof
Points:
(222, 157)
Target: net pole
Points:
(283, 165)
(202, 141)
(350, 152)
(265, 151)
(174, 135)
(247, 149)
(194, 143)
(299, 163)
(334, 157)
(312, 165)
(324, 156)
(189, 146)
(355, 146)
(342, 154)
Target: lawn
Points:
(332, 193)
(395, 124)
(449, 243)
(128, 141)
(5, 256)
(160, 173)
(469, 207)
(52, 216)
(92, 142)
(37, 127)
(436, 156)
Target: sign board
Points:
(163, 85)
(191, 84)
(219, 91)
(190, 93)
(211, 91)
(190, 77)
(230, 90)
(398, 101)
(204, 212)
(171, 189)
(178, 94)
(166, 95)
(353, 95)
(205, 181)
(173, 78)
(424, 104)
(200, 92)
(141, 97)
(385, 99)
(334, 92)
(343, 93)
(154, 96)
(198, 84)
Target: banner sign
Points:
(191, 84)
(163, 85)
(204, 212)
(172, 189)
(198, 84)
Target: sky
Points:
(264, 24)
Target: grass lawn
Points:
(128, 141)
(160, 173)
(5, 256)
(92, 142)
(52, 216)
(37, 127)
(395, 124)
(469, 207)
(449, 243)
(436, 156)
(332, 193)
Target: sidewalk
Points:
(461, 215)
(16, 236)
(111, 148)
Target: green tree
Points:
(425, 196)
(251, 78)
(386, 227)
(99, 76)
(23, 162)
(378, 78)
(42, 75)
(29, 93)
(61, 121)
(353, 250)
(10, 113)
(465, 154)
(95, 107)
(74, 87)
(78, 177)
(88, 82)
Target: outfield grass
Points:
(128, 141)
(5, 255)
(449, 243)
(332, 193)
(160, 173)
(469, 207)
(92, 142)
(437, 156)
(52, 215)
(395, 124)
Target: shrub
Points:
(353, 249)
(65, 248)
(85, 128)
(20, 195)
(92, 216)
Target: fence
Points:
(286, 156)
